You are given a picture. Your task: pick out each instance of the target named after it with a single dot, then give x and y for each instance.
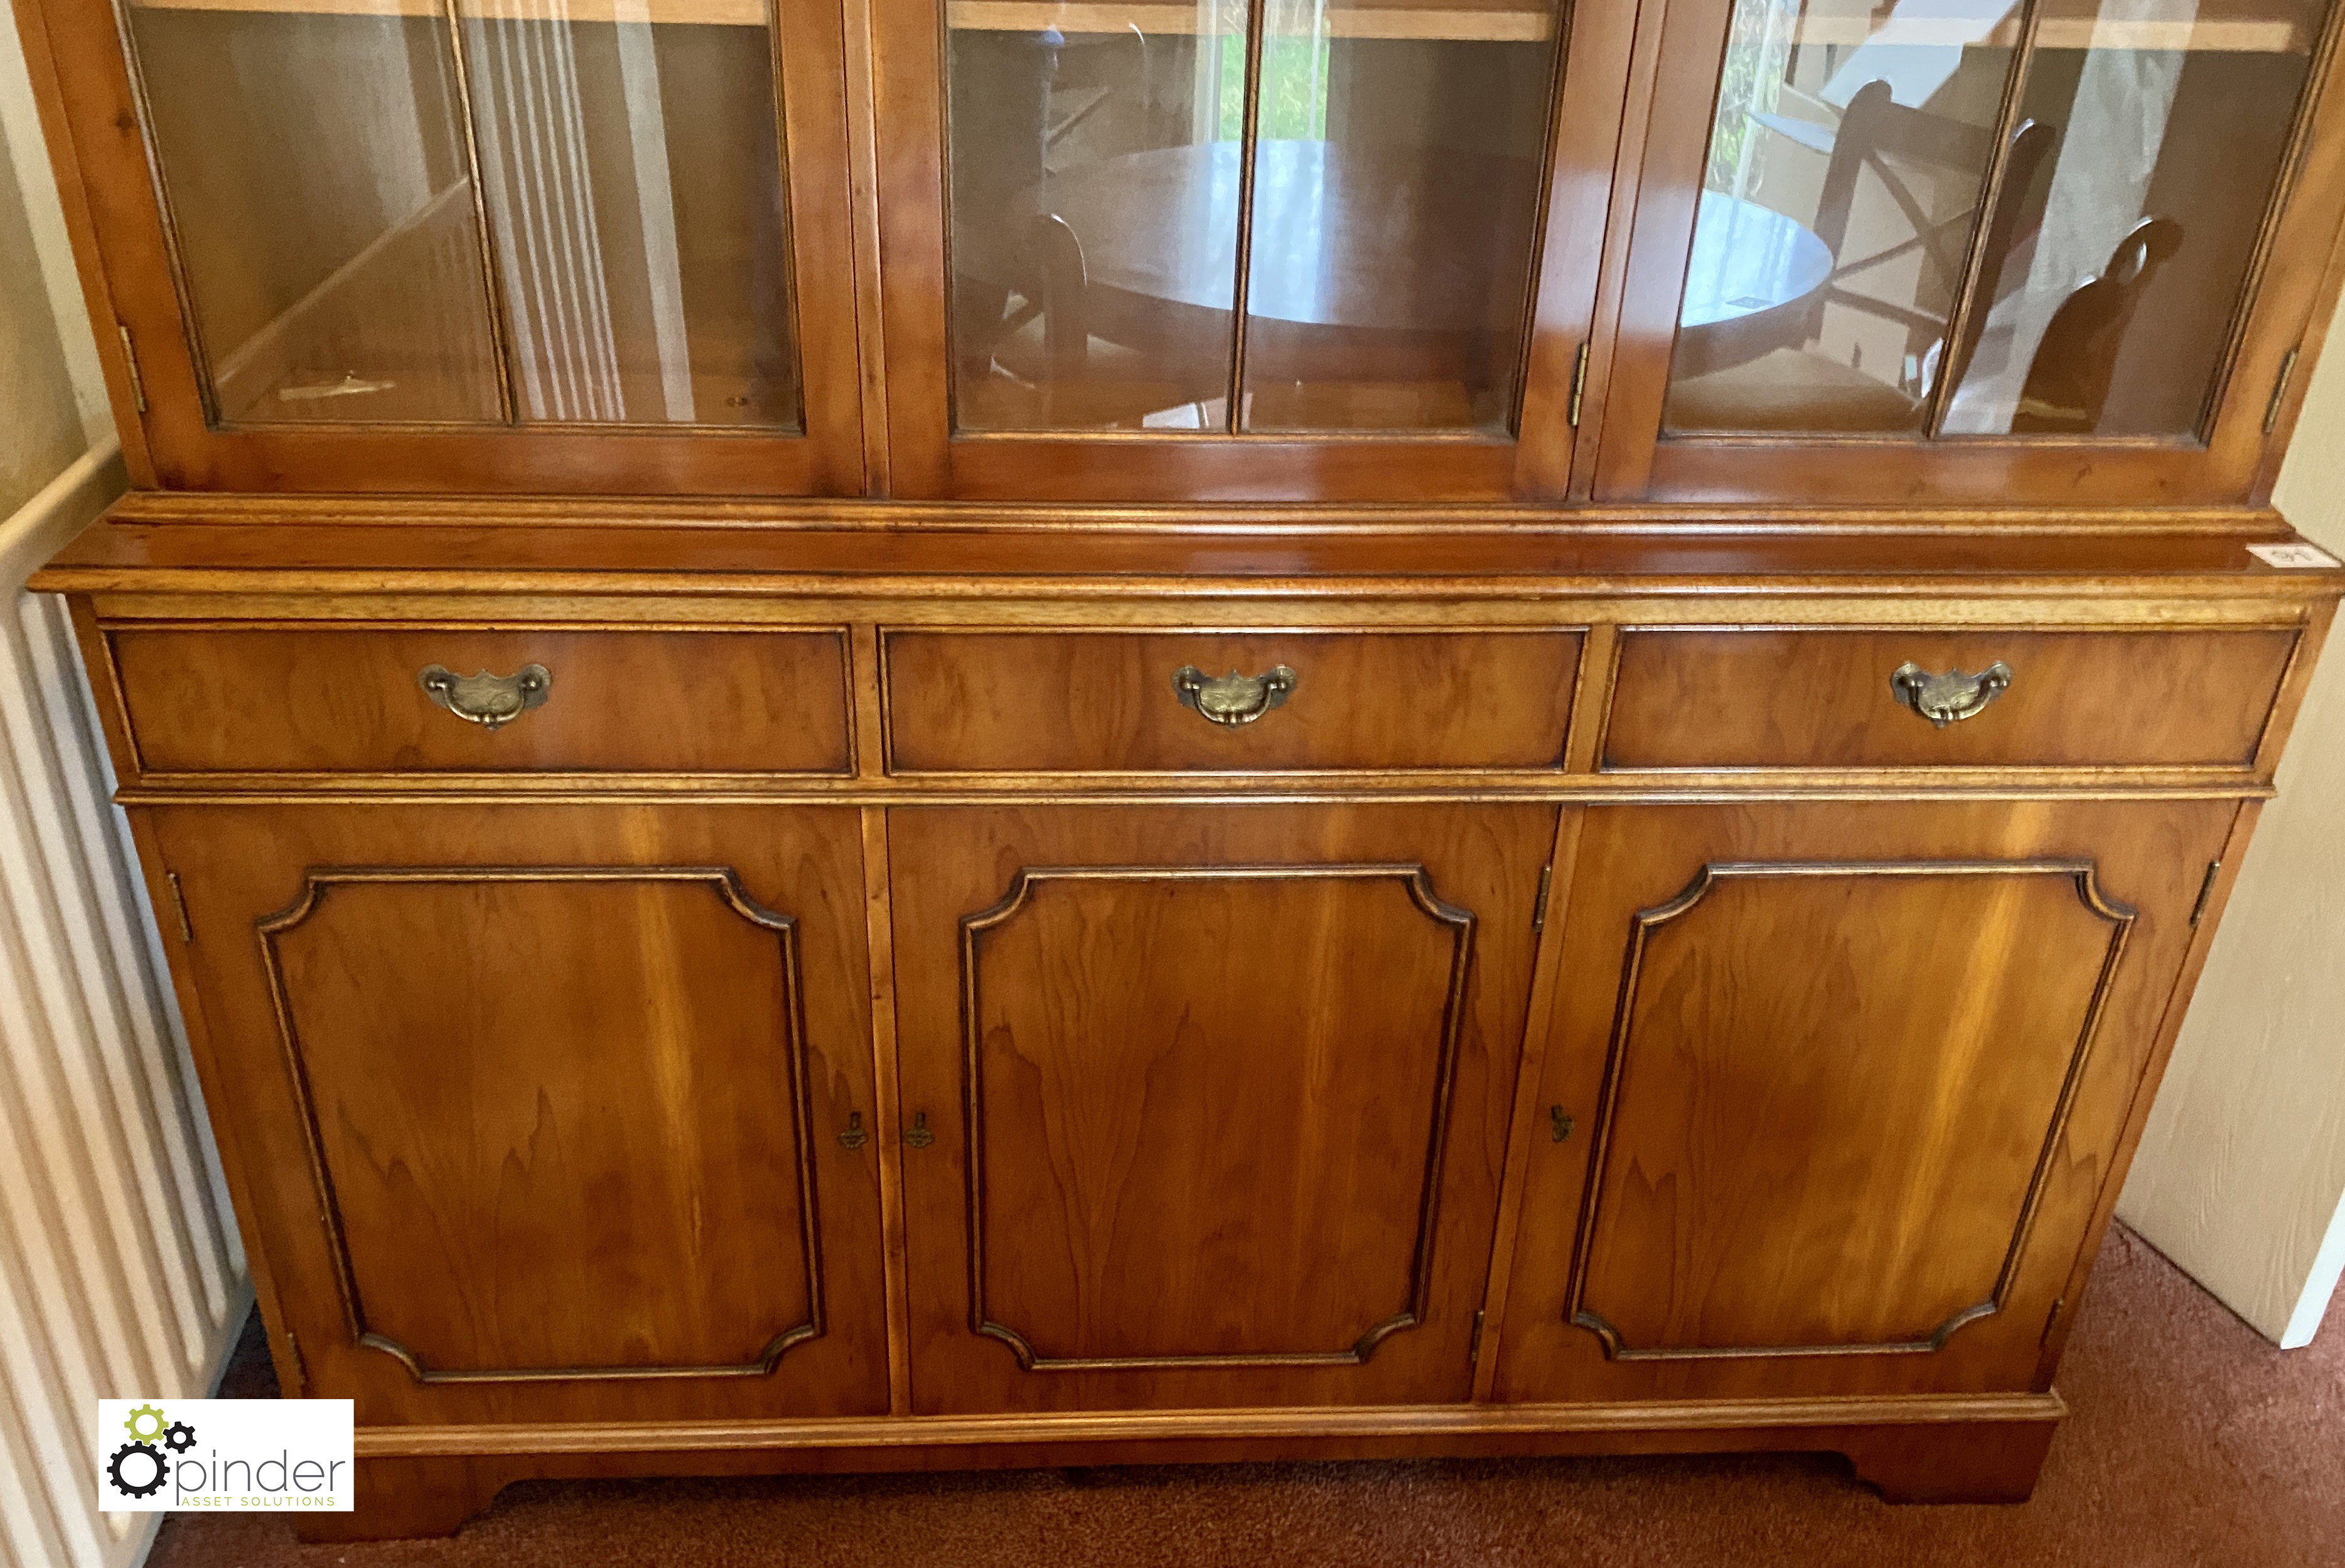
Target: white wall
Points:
(2241, 1171)
(119, 1270)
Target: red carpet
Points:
(2191, 1441)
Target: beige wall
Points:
(2242, 1167)
(119, 1273)
(40, 425)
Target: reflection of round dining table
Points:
(1367, 260)
(1751, 282)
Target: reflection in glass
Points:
(320, 188)
(314, 168)
(1847, 165)
(1096, 183)
(633, 165)
(1393, 216)
(1093, 188)
(2115, 293)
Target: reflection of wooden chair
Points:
(1031, 355)
(2068, 380)
(1879, 134)
(1798, 389)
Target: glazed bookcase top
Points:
(1959, 254)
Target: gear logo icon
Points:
(179, 1438)
(137, 1458)
(140, 1419)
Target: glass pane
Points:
(632, 156)
(314, 166)
(1846, 168)
(2110, 303)
(1395, 192)
(1095, 199)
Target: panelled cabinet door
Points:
(537, 1112)
(1165, 250)
(522, 245)
(1988, 252)
(1833, 1094)
(1206, 1106)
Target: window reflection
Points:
(1878, 250)
(633, 165)
(326, 193)
(1848, 161)
(1098, 178)
(322, 213)
(2115, 296)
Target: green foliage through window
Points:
(1294, 89)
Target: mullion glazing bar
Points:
(492, 278)
(1250, 125)
(1954, 361)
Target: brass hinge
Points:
(2279, 389)
(1579, 386)
(2051, 1318)
(1473, 1346)
(180, 906)
(131, 360)
(2206, 891)
(300, 1369)
(1538, 910)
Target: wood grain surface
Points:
(566, 1107)
(1822, 698)
(308, 699)
(1195, 1099)
(1080, 702)
(1827, 1108)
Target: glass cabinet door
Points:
(1210, 217)
(523, 212)
(1943, 219)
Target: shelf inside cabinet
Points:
(1488, 21)
(702, 12)
(2214, 34)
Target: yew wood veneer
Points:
(919, 996)
(896, 734)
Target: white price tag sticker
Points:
(2296, 557)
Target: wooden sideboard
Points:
(863, 1015)
(919, 733)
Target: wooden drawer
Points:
(307, 699)
(1087, 702)
(1705, 699)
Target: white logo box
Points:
(224, 1456)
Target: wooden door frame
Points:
(2293, 284)
(92, 113)
(926, 461)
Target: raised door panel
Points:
(523, 1138)
(1842, 1088)
(1216, 1109)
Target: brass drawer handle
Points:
(1234, 698)
(1951, 698)
(489, 701)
